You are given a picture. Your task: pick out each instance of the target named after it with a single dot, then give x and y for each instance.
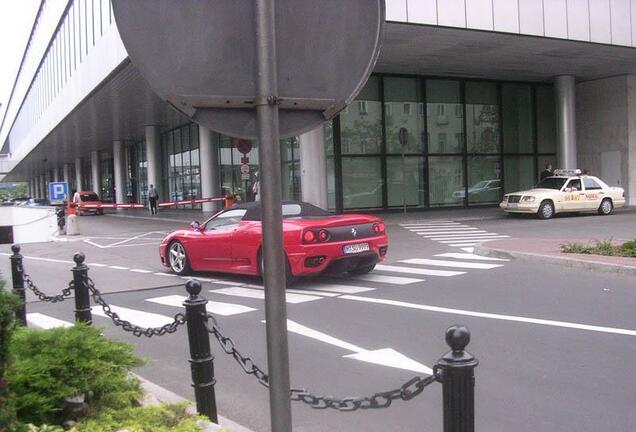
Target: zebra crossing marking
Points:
(466, 235)
(464, 244)
(260, 294)
(341, 289)
(135, 316)
(470, 250)
(453, 234)
(470, 256)
(394, 280)
(472, 239)
(217, 308)
(420, 271)
(444, 263)
(45, 322)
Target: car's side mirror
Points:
(568, 189)
(195, 225)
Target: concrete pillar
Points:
(313, 168)
(56, 174)
(565, 95)
(43, 186)
(32, 188)
(67, 175)
(119, 168)
(153, 154)
(78, 174)
(210, 170)
(95, 172)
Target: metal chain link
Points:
(406, 392)
(179, 319)
(66, 292)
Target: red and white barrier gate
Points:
(228, 202)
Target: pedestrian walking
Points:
(547, 172)
(153, 196)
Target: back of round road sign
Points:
(200, 56)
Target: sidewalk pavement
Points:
(548, 251)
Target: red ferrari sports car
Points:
(315, 241)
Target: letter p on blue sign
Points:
(58, 192)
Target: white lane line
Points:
(258, 294)
(309, 291)
(395, 280)
(136, 317)
(470, 250)
(447, 229)
(430, 223)
(218, 308)
(128, 239)
(457, 264)
(119, 267)
(342, 289)
(140, 271)
(470, 256)
(165, 274)
(41, 259)
(462, 312)
(459, 239)
(45, 321)
(96, 265)
(470, 234)
(418, 271)
(464, 244)
(433, 233)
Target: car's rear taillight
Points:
(323, 235)
(309, 236)
(378, 228)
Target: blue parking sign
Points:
(58, 192)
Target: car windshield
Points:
(89, 197)
(552, 183)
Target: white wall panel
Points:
(451, 13)
(531, 17)
(423, 11)
(633, 15)
(578, 20)
(556, 18)
(479, 14)
(600, 25)
(621, 22)
(396, 10)
(506, 15)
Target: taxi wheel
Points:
(362, 270)
(546, 210)
(606, 207)
(178, 258)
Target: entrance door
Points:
(611, 172)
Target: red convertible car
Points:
(315, 241)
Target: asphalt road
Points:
(554, 344)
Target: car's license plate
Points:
(355, 248)
(513, 205)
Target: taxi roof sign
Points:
(567, 172)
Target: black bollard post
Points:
(456, 370)
(17, 274)
(201, 359)
(82, 296)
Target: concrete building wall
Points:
(601, 21)
(606, 131)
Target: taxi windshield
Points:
(551, 183)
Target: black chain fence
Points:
(179, 318)
(66, 292)
(407, 391)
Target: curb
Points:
(593, 266)
(157, 394)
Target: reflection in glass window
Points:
(518, 173)
(405, 180)
(546, 119)
(443, 97)
(446, 180)
(361, 129)
(518, 118)
(482, 118)
(403, 92)
(361, 182)
(484, 180)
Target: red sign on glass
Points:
(244, 146)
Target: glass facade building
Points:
(465, 143)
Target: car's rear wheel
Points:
(606, 207)
(178, 258)
(546, 210)
(289, 277)
(362, 270)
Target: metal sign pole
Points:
(272, 219)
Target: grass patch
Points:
(602, 247)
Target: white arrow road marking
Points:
(218, 308)
(539, 321)
(418, 271)
(459, 264)
(470, 256)
(385, 357)
(45, 321)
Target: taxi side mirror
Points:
(568, 189)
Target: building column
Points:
(313, 168)
(210, 172)
(565, 95)
(43, 186)
(32, 188)
(56, 174)
(78, 174)
(67, 174)
(119, 171)
(95, 172)
(153, 155)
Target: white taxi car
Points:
(565, 191)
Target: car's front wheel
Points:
(546, 210)
(178, 258)
(606, 207)
(362, 270)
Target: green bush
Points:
(629, 249)
(160, 418)
(8, 306)
(605, 247)
(50, 365)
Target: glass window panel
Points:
(194, 136)
(403, 96)
(518, 118)
(545, 160)
(446, 176)
(361, 182)
(361, 128)
(97, 14)
(405, 181)
(82, 28)
(484, 180)
(331, 183)
(519, 173)
(546, 119)
(482, 118)
(105, 14)
(90, 23)
(444, 116)
(328, 130)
